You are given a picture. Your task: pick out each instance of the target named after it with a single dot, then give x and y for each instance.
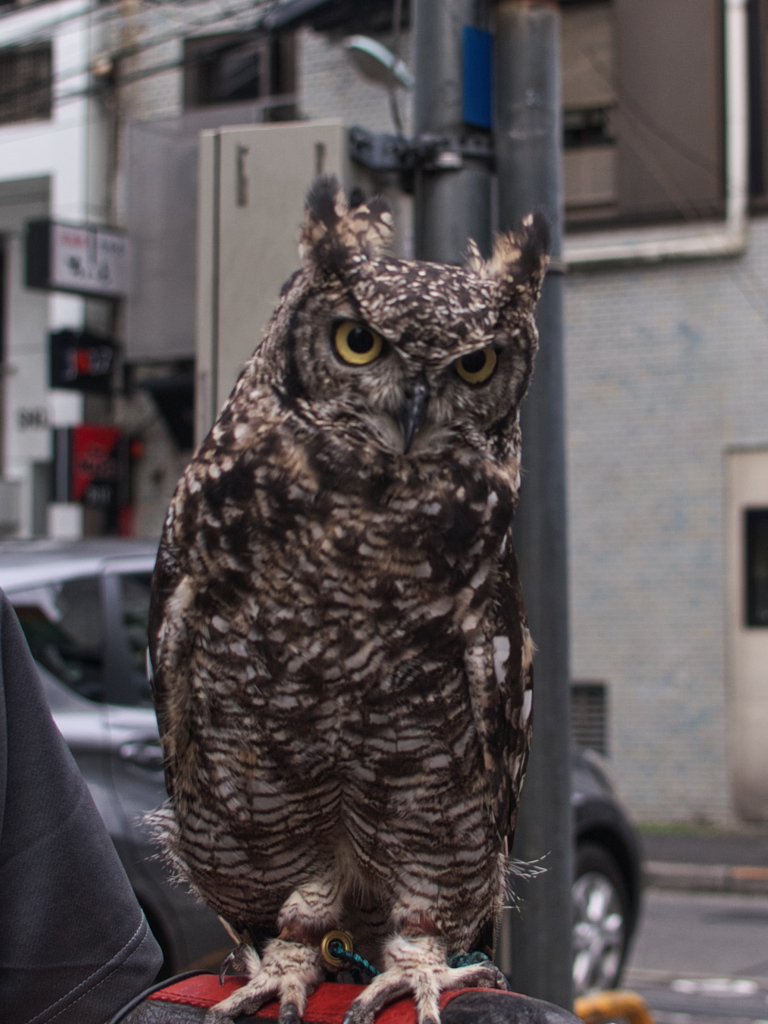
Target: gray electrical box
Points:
(253, 183)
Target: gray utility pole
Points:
(537, 948)
(453, 193)
(453, 203)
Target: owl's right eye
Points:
(477, 367)
(356, 344)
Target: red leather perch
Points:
(327, 1004)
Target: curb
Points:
(706, 877)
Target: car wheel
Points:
(600, 917)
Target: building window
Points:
(757, 566)
(642, 111)
(236, 68)
(589, 716)
(135, 591)
(64, 627)
(589, 104)
(25, 83)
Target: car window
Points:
(135, 590)
(64, 626)
(61, 699)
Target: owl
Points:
(342, 664)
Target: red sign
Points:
(95, 463)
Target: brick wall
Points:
(331, 86)
(666, 368)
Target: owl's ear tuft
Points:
(332, 233)
(475, 261)
(326, 205)
(520, 259)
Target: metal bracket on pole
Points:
(379, 151)
(430, 152)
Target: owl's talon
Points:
(499, 977)
(289, 1014)
(485, 977)
(358, 1015)
(226, 963)
(214, 1017)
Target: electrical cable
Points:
(629, 102)
(43, 33)
(686, 209)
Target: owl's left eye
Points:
(356, 344)
(477, 367)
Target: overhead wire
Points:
(127, 78)
(687, 210)
(741, 277)
(629, 102)
(220, 17)
(55, 79)
(106, 10)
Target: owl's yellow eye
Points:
(477, 367)
(356, 344)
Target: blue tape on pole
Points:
(478, 77)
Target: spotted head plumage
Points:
(342, 661)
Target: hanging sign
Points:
(86, 260)
(88, 464)
(81, 361)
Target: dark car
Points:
(83, 606)
(607, 890)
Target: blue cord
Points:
(467, 959)
(359, 966)
(352, 961)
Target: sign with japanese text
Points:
(87, 260)
(88, 464)
(81, 361)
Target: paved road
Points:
(702, 957)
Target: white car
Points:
(83, 607)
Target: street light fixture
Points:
(378, 63)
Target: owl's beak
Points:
(413, 410)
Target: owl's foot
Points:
(416, 966)
(288, 971)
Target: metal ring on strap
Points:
(340, 936)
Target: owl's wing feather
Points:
(171, 628)
(168, 572)
(500, 677)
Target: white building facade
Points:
(50, 166)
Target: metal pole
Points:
(535, 947)
(451, 205)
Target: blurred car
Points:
(607, 891)
(83, 606)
